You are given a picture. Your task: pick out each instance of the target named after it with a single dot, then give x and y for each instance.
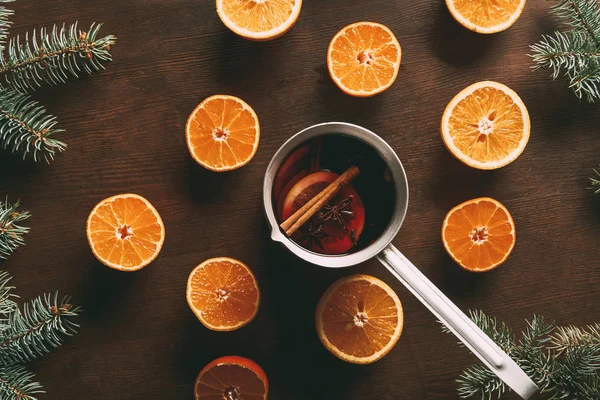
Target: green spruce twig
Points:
(564, 362)
(595, 182)
(11, 231)
(7, 305)
(46, 56)
(53, 56)
(480, 382)
(28, 334)
(5, 14)
(27, 128)
(17, 384)
(37, 330)
(576, 52)
(580, 15)
(566, 338)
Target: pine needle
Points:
(595, 182)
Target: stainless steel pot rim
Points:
(398, 176)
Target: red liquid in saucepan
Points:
(357, 215)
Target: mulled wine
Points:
(353, 217)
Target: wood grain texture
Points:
(125, 131)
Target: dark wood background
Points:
(125, 130)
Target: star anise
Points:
(337, 211)
(313, 235)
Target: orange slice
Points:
(259, 19)
(364, 58)
(125, 232)
(486, 16)
(479, 234)
(223, 293)
(222, 133)
(486, 125)
(359, 319)
(231, 377)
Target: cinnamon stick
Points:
(306, 212)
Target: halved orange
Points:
(486, 16)
(231, 378)
(479, 234)
(359, 319)
(125, 232)
(364, 58)
(223, 293)
(486, 125)
(223, 133)
(259, 19)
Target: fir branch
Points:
(53, 56)
(595, 182)
(26, 127)
(7, 306)
(580, 15)
(37, 330)
(564, 362)
(480, 382)
(499, 333)
(570, 337)
(11, 232)
(18, 384)
(575, 53)
(531, 354)
(566, 50)
(5, 13)
(575, 375)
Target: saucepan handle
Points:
(458, 323)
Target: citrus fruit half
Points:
(479, 234)
(486, 125)
(231, 378)
(223, 293)
(364, 58)
(336, 228)
(223, 133)
(259, 19)
(125, 232)
(359, 319)
(486, 16)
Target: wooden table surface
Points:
(125, 131)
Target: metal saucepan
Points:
(456, 321)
